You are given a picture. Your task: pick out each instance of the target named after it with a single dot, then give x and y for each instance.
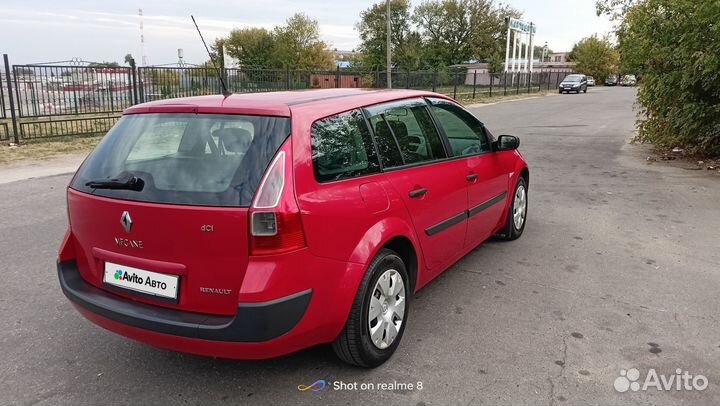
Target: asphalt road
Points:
(619, 268)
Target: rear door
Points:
(187, 222)
(432, 187)
(485, 176)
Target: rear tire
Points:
(357, 344)
(514, 229)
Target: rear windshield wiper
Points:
(125, 181)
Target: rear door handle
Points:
(472, 177)
(415, 193)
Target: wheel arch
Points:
(397, 235)
(525, 173)
(405, 249)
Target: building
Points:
(343, 59)
(479, 73)
(558, 57)
(344, 55)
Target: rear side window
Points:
(192, 159)
(405, 133)
(463, 130)
(342, 148)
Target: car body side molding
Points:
(457, 219)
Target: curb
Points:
(510, 100)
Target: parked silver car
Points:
(628, 80)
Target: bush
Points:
(674, 45)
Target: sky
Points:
(50, 30)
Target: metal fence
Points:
(63, 90)
(49, 100)
(4, 132)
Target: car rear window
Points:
(192, 159)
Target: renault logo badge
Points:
(126, 221)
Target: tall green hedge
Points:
(674, 46)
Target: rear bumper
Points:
(253, 322)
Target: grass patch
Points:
(500, 97)
(48, 148)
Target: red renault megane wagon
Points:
(254, 225)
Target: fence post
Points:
(132, 77)
(529, 81)
(110, 91)
(434, 80)
(474, 82)
(221, 58)
(407, 80)
(505, 85)
(547, 77)
(141, 84)
(455, 86)
(337, 76)
(75, 101)
(539, 84)
(287, 78)
(11, 99)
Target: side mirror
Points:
(507, 143)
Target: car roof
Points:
(281, 103)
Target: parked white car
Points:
(590, 81)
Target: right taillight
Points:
(275, 223)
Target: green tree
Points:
(298, 45)
(249, 46)
(496, 64)
(295, 45)
(674, 46)
(128, 59)
(405, 45)
(595, 57)
(446, 28)
(490, 29)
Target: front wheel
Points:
(517, 215)
(379, 313)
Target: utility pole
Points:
(387, 46)
(507, 45)
(531, 46)
(142, 38)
